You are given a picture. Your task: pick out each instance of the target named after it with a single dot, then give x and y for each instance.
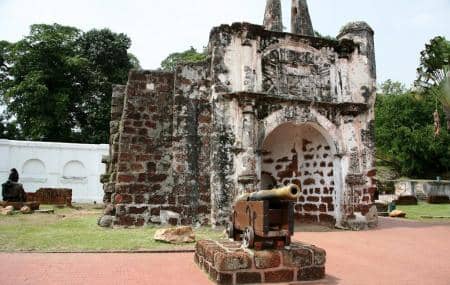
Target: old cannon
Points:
(264, 217)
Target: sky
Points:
(160, 27)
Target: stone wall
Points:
(422, 188)
(191, 144)
(143, 182)
(56, 165)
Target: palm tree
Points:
(438, 84)
(434, 73)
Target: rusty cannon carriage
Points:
(264, 218)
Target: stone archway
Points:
(300, 154)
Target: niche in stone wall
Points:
(301, 155)
(74, 172)
(33, 170)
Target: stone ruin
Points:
(265, 109)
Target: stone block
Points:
(224, 278)
(306, 218)
(297, 257)
(7, 211)
(211, 250)
(327, 219)
(267, 259)
(232, 261)
(382, 207)
(175, 235)
(25, 210)
(320, 256)
(169, 217)
(137, 210)
(19, 205)
(109, 210)
(200, 246)
(284, 275)
(125, 221)
(397, 214)
(406, 200)
(435, 199)
(311, 273)
(105, 221)
(248, 277)
(310, 207)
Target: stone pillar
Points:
(300, 19)
(339, 199)
(273, 19)
(247, 177)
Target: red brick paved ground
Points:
(399, 252)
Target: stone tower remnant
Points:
(266, 109)
(300, 19)
(273, 19)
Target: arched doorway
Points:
(300, 154)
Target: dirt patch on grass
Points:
(60, 213)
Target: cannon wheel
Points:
(248, 238)
(230, 230)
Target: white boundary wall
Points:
(62, 165)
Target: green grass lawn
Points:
(77, 230)
(424, 209)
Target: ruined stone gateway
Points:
(266, 109)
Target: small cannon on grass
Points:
(264, 217)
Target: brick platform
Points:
(52, 196)
(226, 262)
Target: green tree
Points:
(46, 80)
(405, 134)
(106, 53)
(390, 87)
(328, 37)
(189, 56)
(57, 81)
(434, 73)
(4, 48)
(8, 129)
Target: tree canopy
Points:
(187, 56)
(405, 134)
(57, 83)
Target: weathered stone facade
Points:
(265, 109)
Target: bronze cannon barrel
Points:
(290, 192)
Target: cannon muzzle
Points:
(291, 192)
